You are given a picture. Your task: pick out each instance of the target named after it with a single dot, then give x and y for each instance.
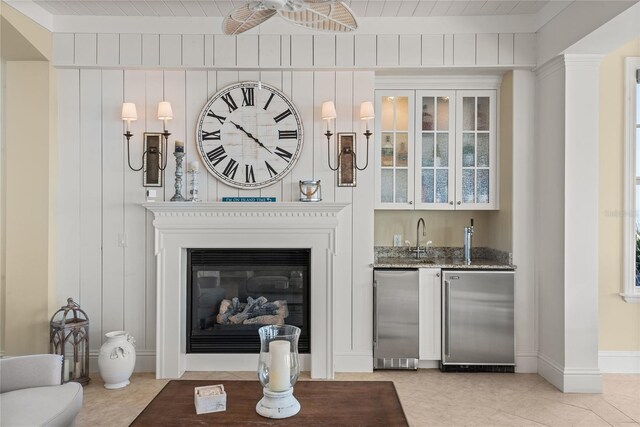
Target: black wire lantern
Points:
(69, 337)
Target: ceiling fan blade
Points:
(336, 17)
(244, 18)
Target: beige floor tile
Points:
(628, 405)
(592, 420)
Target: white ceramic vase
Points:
(117, 359)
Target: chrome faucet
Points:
(419, 250)
(468, 234)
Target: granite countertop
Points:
(445, 257)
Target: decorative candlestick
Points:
(194, 183)
(179, 155)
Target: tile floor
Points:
(429, 398)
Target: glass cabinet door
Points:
(394, 149)
(476, 150)
(435, 150)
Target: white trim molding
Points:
(619, 362)
(183, 225)
(569, 380)
(630, 292)
(145, 361)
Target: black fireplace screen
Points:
(233, 292)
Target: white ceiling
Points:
(362, 8)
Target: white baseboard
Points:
(429, 364)
(527, 363)
(569, 380)
(232, 362)
(353, 362)
(145, 361)
(619, 362)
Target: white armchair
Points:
(31, 393)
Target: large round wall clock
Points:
(249, 135)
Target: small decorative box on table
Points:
(211, 398)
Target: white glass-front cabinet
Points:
(394, 149)
(444, 159)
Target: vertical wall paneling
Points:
(301, 50)
(285, 51)
(345, 110)
(225, 78)
(90, 197)
(505, 49)
(208, 50)
(269, 50)
(196, 97)
(113, 170)
(224, 51)
(108, 49)
(387, 50)
(247, 55)
(524, 49)
(130, 49)
(324, 50)
(193, 50)
(365, 48)
(486, 49)
(323, 90)
(68, 191)
(345, 53)
(302, 96)
(432, 49)
(170, 50)
(464, 49)
(210, 184)
(410, 50)
(290, 191)
(273, 78)
(135, 219)
(362, 299)
(85, 49)
(174, 92)
(448, 49)
(151, 49)
(249, 76)
(63, 48)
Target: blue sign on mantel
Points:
(248, 199)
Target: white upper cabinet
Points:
(436, 149)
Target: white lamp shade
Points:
(328, 110)
(366, 111)
(129, 111)
(164, 111)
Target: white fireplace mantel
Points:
(183, 225)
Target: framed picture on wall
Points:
(347, 159)
(152, 176)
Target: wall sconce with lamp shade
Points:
(347, 162)
(154, 159)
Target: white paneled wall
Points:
(105, 237)
(295, 51)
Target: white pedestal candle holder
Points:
(278, 370)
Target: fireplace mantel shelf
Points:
(244, 209)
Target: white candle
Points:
(194, 166)
(66, 370)
(280, 365)
(78, 372)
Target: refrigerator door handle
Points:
(447, 314)
(375, 314)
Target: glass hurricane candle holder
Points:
(278, 370)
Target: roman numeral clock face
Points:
(249, 137)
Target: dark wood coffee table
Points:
(324, 403)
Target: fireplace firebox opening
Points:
(231, 293)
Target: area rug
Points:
(324, 403)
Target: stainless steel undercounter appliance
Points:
(395, 322)
(478, 321)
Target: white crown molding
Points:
(440, 82)
(550, 67)
(581, 59)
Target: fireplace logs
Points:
(254, 312)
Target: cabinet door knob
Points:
(410, 203)
(459, 203)
(451, 202)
